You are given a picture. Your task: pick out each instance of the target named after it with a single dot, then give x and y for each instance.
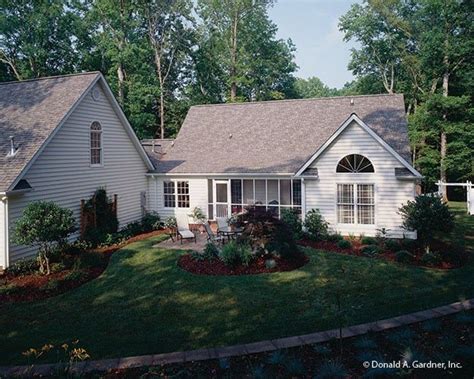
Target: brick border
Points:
(104, 365)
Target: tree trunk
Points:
(121, 79)
(444, 139)
(233, 58)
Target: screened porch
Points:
(230, 196)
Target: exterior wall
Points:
(390, 192)
(62, 173)
(3, 233)
(198, 196)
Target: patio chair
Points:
(211, 237)
(222, 225)
(183, 231)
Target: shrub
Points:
(344, 244)
(75, 276)
(234, 254)
(209, 253)
(368, 241)
(431, 258)
(427, 215)
(100, 209)
(51, 285)
(198, 215)
(404, 256)
(392, 244)
(283, 243)
(150, 222)
(371, 250)
(9, 289)
(171, 223)
(57, 267)
(43, 224)
(336, 237)
(132, 229)
(22, 267)
(315, 225)
(292, 220)
(90, 260)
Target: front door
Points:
(221, 196)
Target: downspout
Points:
(4, 200)
(303, 200)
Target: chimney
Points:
(13, 149)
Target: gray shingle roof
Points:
(30, 111)
(276, 136)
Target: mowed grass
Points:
(143, 303)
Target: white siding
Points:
(62, 172)
(197, 196)
(3, 231)
(390, 193)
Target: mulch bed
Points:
(32, 287)
(357, 246)
(217, 267)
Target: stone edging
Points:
(104, 365)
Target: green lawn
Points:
(143, 303)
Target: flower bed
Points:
(34, 286)
(357, 248)
(258, 266)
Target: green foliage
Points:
(392, 244)
(431, 258)
(344, 244)
(198, 215)
(57, 267)
(313, 87)
(22, 267)
(101, 218)
(51, 285)
(336, 237)
(91, 260)
(404, 256)
(292, 220)
(368, 241)
(9, 289)
(209, 253)
(150, 222)
(371, 250)
(43, 224)
(75, 276)
(234, 254)
(315, 225)
(331, 369)
(428, 215)
(171, 223)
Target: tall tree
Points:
(253, 64)
(313, 87)
(39, 38)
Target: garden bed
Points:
(34, 286)
(357, 249)
(257, 266)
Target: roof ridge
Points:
(51, 77)
(298, 100)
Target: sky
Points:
(312, 26)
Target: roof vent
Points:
(230, 135)
(352, 101)
(13, 149)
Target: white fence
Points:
(469, 192)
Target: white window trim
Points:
(355, 206)
(175, 185)
(101, 164)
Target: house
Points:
(61, 138)
(349, 157)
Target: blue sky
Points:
(312, 26)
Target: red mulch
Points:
(217, 267)
(357, 247)
(31, 286)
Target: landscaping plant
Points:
(45, 225)
(100, 217)
(315, 225)
(428, 215)
(234, 254)
(292, 220)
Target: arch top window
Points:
(354, 163)
(96, 143)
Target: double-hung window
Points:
(356, 204)
(176, 194)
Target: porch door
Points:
(221, 196)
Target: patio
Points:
(175, 244)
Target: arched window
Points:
(96, 144)
(354, 163)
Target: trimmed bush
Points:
(315, 225)
(371, 250)
(292, 220)
(431, 258)
(23, 267)
(392, 245)
(404, 256)
(150, 222)
(234, 254)
(344, 244)
(368, 241)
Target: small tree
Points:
(428, 215)
(43, 224)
